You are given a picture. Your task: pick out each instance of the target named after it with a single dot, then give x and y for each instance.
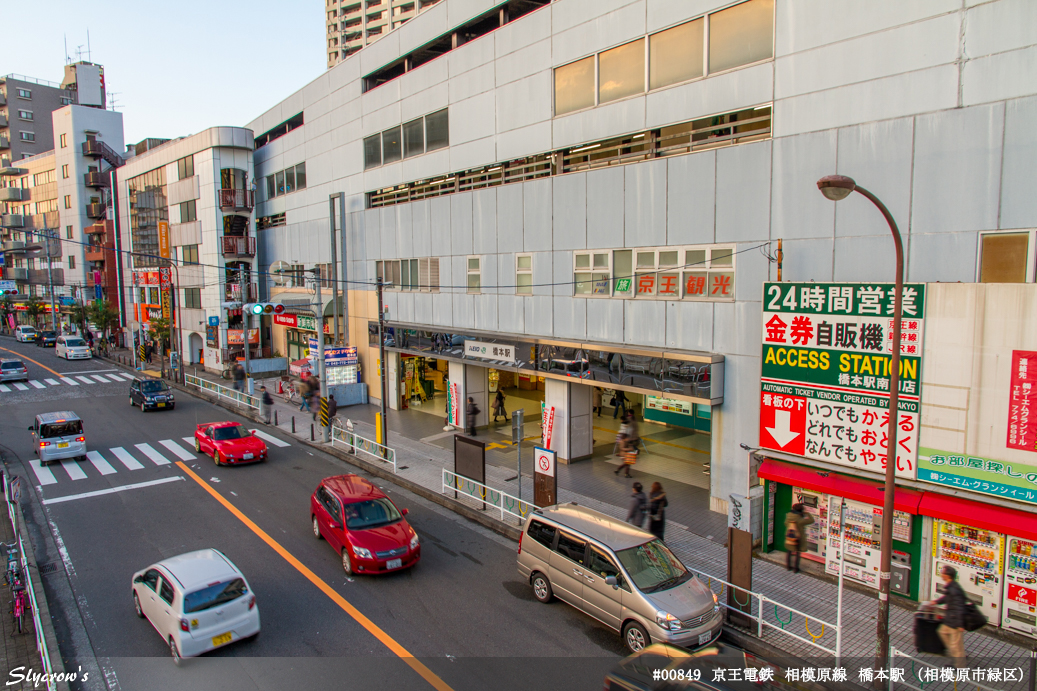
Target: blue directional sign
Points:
(214, 321)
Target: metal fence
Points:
(226, 392)
(513, 507)
(357, 444)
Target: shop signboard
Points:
(489, 351)
(825, 372)
(1022, 401)
(548, 424)
(1016, 481)
(455, 404)
(163, 239)
(672, 405)
(234, 336)
(212, 336)
(306, 323)
(286, 320)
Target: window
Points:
(64, 140)
(285, 181)
(1006, 257)
(39, 179)
(602, 565)
(68, 233)
(542, 533)
(574, 86)
(325, 275)
(68, 201)
(271, 187)
(289, 180)
(524, 274)
(24, 93)
(214, 595)
(150, 579)
(185, 168)
(414, 137)
(189, 254)
(279, 182)
(264, 222)
(64, 171)
(571, 547)
(298, 275)
(193, 298)
(66, 101)
(591, 273)
(741, 35)
(474, 275)
(372, 151)
(391, 145)
(281, 130)
(621, 71)
(153, 294)
(669, 273)
(675, 55)
(28, 137)
(189, 211)
(25, 114)
(166, 592)
(300, 176)
(71, 262)
(410, 274)
(437, 130)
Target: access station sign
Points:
(824, 386)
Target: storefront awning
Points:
(998, 519)
(847, 486)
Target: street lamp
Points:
(836, 188)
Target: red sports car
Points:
(363, 525)
(229, 443)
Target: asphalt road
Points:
(463, 612)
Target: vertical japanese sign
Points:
(547, 424)
(167, 297)
(1022, 401)
(825, 372)
(455, 404)
(163, 239)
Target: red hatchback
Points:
(228, 443)
(363, 525)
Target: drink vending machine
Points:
(815, 504)
(976, 555)
(1020, 596)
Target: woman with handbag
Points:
(657, 504)
(626, 452)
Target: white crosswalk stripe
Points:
(43, 473)
(21, 387)
(4, 388)
(182, 453)
(106, 378)
(52, 382)
(85, 380)
(99, 378)
(73, 469)
(70, 381)
(271, 439)
(189, 440)
(36, 384)
(149, 451)
(126, 459)
(103, 466)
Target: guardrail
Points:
(230, 394)
(501, 501)
(357, 444)
(41, 641)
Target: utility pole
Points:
(325, 429)
(381, 362)
(50, 282)
(246, 319)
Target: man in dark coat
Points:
(470, 412)
(796, 522)
(636, 509)
(952, 629)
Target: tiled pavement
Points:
(18, 649)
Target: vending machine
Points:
(861, 534)
(815, 504)
(1020, 596)
(976, 555)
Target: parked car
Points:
(363, 526)
(680, 670)
(72, 348)
(46, 339)
(197, 602)
(619, 574)
(229, 443)
(13, 370)
(57, 436)
(25, 334)
(150, 394)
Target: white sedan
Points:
(72, 348)
(197, 602)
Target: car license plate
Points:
(63, 445)
(394, 563)
(247, 457)
(222, 638)
(704, 638)
(161, 405)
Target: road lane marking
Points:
(126, 459)
(25, 357)
(151, 453)
(37, 384)
(92, 371)
(273, 440)
(189, 440)
(43, 473)
(73, 469)
(372, 628)
(21, 387)
(103, 466)
(85, 380)
(4, 388)
(183, 454)
(70, 381)
(99, 378)
(52, 382)
(117, 380)
(120, 377)
(112, 490)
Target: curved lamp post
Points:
(836, 188)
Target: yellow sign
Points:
(163, 239)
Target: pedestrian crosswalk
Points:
(106, 378)
(118, 458)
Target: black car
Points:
(46, 339)
(150, 394)
(662, 667)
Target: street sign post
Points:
(545, 481)
(517, 424)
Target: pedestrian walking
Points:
(796, 522)
(304, 394)
(238, 374)
(629, 428)
(952, 630)
(597, 401)
(314, 392)
(657, 504)
(265, 404)
(149, 348)
(619, 401)
(498, 406)
(637, 507)
(332, 408)
(470, 412)
(627, 453)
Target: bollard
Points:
(312, 438)
(275, 418)
(293, 424)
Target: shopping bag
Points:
(926, 638)
(973, 619)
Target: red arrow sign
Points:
(783, 423)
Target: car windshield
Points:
(66, 428)
(653, 567)
(370, 514)
(232, 432)
(12, 364)
(49, 334)
(213, 595)
(75, 342)
(153, 386)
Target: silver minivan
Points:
(57, 436)
(619, 574)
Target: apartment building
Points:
(353, 24)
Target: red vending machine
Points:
(1019, 612)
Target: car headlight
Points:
(414, 541)
(667, 621)
(362, 553)
(716, 603)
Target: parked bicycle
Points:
(22, 607)
(290, 394)
(13, 568)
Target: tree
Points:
(80, 315)
(104, 316)
(35, 307)
(158, 330)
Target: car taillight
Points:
(44, 443)
(80, 438)
(252, 602)
(520, 542)
(184, 626)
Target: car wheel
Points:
(174, 652)
(542, 588)
(197, 446)
(347, 563)
(316, 529)
(131, 401)
(216, 456)
(136, 606)
(635, 637)
(142, 407)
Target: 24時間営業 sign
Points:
(825, 372)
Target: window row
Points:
(286, 181)
(413, 138)
(43, 178)
(733, 37)
(410, 274)
(668, 273)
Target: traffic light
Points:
(264, 308)
(8, 292)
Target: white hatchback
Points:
(25, 334)
(72, 348)
(197, 602)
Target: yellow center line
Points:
(25, 357)
(664, 443)
(349, 609)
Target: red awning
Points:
(848, 486)
(998, 519)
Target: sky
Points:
(176, 67)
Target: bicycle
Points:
(290, 394)
(13, 568)
(20, 602)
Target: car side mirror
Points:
(138, 579)
(611, 580)
(404, 512)
(335, 525)
(31, 428)
(253, 433)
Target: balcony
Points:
(3, 120)
(7, 169)
(94, 253)
(12, 274)
(95, 229)
(13, 245)
(239, 247)
(5, 143)
(98, 212)
(3, 99)
(237, 200)
(12, 194)
(98, 149)
(233, 292)
(40, 277)
(97, 180)
(12, 220)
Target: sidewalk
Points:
(420, 459)
(19, 649)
